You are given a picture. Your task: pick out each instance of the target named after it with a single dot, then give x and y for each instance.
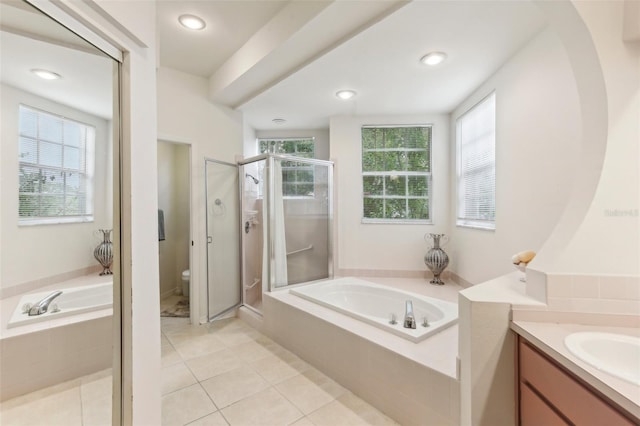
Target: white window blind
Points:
(396, 173)
(476, 171)
(297, 178)
(55, 168)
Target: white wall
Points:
(35, 252)
(185, 115)
(608, 239)
(173, 199)
(538, 130)
(141, 305)
(390, 247)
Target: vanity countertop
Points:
(549, 338)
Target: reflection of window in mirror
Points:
(57, 175)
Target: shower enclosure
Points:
(223, 238)
(286, 223)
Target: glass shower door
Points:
(223, 238)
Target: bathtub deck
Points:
(408, 381)
(8, 305)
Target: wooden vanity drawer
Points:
(535, 412)
(576, 402)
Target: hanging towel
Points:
(160, 225)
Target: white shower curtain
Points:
(277, 231)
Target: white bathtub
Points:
(375, 304)
(72, 301)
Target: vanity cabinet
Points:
(549, 395)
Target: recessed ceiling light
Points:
(279, 120)
(433, 58)
(45, 74)
(345, 94)
(192, 22)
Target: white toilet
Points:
(186, 276)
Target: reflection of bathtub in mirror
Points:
(72, 301)
(39, 351)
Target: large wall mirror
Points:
(59, 186)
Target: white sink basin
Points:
(616, 354)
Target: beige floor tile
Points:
(96, 397)
(349, 410)
(169, 355)
(210, 365)
(267, 407)
(96, 386)
(235, 336)
(97, 411)
(58, 407)
(252, 351)
(275, 370)
(186, 405)
(199, 345)
(176, 376)
(185, 334)
(303, 422)
(214, 419)
(310, 390)
(230, 387)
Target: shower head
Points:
(255, 180)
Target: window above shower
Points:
(297, 178)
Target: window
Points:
(476, 171)
(297, 178)
(396, 173)
(55, 168)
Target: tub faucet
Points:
(409, 319)
(42, 306)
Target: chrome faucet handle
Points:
(425, 322)
(393, 320)
(409, 322)
(409, 319)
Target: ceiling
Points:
(286, 59)
(372, 47)
(31, 40)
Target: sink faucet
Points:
(42, 306)
(409, 319)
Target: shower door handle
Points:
(209, 240)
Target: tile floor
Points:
(228, 373)
(225, 373)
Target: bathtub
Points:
(44, 350)
(376, 304)
(72, 301)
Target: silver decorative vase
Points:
(104, 252)
(436, 258)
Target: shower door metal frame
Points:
(270, 206)
(238, 200)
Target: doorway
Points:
(174, 230)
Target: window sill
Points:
(396, 221)
(54, 221)
(477, 225)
